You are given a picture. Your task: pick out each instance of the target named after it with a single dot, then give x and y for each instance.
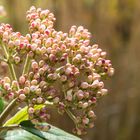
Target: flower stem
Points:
(12, 104)
(9, 127)
(26, 65)
(11, 66)
(12, 71)
(70, 115)
(7, 110)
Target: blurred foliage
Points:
(115, 25)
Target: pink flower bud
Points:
(103, 54)
(63, 78)
(71, 84)
(17, 42)
(42, 28)
(68, 70)
(86, 94)
(34, 65)
(52, 57)
(91, 125)
(80, 94)
(95, 84)
(84, 85)
(33, 47)
(22, 79)
(43, 50)
(69, 95)
(33, 88)
(11, 44)
(7, 86)
(90, 78)
(31, 110)
(91, 114)
(5, 35)
(11, 95)
(14, 84)
(17, 59)
(78, 131)
(85, 120)
(101, 84)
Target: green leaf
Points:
(52, 134)
(20, 116)
(27, 131)
(30, 127)
(1, 104)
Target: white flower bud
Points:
(104, 91)
(22, 97)
(111, 71)
(38, 91)
(26, 90)
(7, 80)
(85, 105)
(56, 100)
(39, 100)
(34, 82)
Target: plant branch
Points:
(6, 111)
(12, 104)
(11, 66)
(70, 115)
(2, 59)
(9, 127)
(26, 65)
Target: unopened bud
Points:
(22, 97)
(84, 85)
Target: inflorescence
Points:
(65, 70)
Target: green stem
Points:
(9, 127)
(11, 66)
(12, 104)
(26, 65)
(71, 115)
(7, 110)
(2, 59)
(12, 71)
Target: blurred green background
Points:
(115, 26)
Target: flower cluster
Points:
(66, 70)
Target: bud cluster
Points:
(65, 69)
